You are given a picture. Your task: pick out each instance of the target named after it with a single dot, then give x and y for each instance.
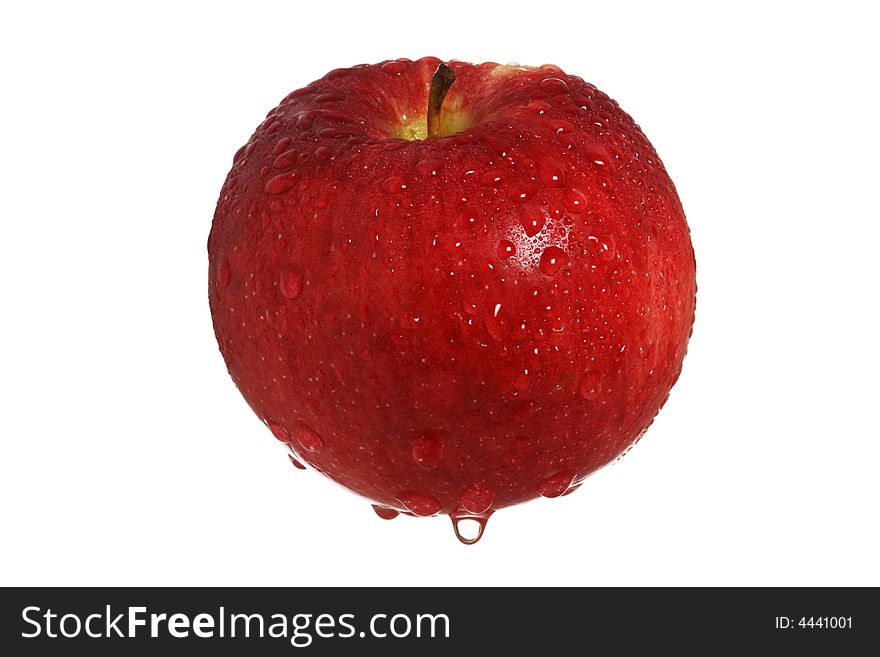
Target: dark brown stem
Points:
(443, 78)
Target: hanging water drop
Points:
(278, 431)
(469, 527)
(385, 512)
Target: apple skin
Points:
(459, 324)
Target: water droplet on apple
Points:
(332, 96)
(553, 86)
(394, 68)
(409, 322)
(477, 498)
(522, 381)
(600, 157)
(469, 528)
(585, 103)
(574, 201)
(291, 284)
(606, 246)
(539, 106)
(278, 431)
(520, 330)
(427, 452)
(521, 191)
(393, 184)
(493, 178)
(506, 248)
(419, 503)
(499, 145)
(469, 307)
(304, 120)
(560, 126)
(384, 512)
(497, 327)
(310, 440)
(304, 91)
(337, 73)
(349, 131)
(557, 484)
(282, 182)
(296, 464)
(224, 276)
(281, 146)
(589, 386)
(563, 383)
(552, 260)
(567, 140)
(532, 221)
(551, 173)
(428, 167)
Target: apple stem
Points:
(443, 78)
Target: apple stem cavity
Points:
(443, 78)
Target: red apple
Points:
(451, 305)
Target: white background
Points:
(128, 456)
